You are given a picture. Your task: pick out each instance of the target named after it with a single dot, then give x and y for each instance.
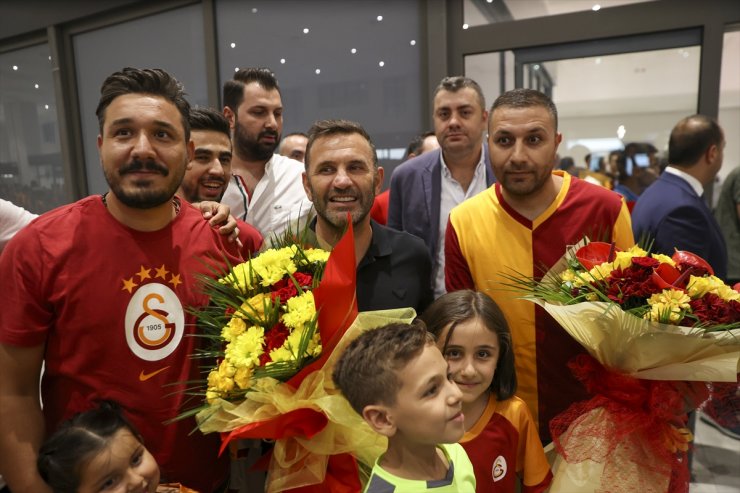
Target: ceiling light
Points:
(254, 10)
(412, 42)
(15, 67)
(305, 30)
(46, 106)
(380, 18)
(353, 50)
(465, 26)
(489, 1)
(36, 86)
(236, 69)
(598, 61)
(318, 71)
(596, 7)
(381, 63)
(282, 60)
(621, 131)
(233, 45)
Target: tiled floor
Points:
(716, 465)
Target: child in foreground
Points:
(500, 435)
(100, 451)
(396, 378)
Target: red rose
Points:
(274, 338)
(648, 262)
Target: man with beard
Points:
(522, 226)
(342, 176)
(208, 173)
(100, 291)
(265, 189)
(424, 189)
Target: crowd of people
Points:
(100, 292)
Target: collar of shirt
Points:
(695, 184)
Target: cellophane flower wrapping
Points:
(278, 322)
(644, 375)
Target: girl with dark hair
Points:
(100, 451)
(501, 437)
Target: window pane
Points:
(479, 12)
(607, 101)
(729, 102)
(357, 60)
(172, 40)
(31, 173)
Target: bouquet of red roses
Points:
(657, 328)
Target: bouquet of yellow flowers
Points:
(277, 323)
(657, 328)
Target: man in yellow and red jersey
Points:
(521, 226)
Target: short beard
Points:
(143, 198)
(250, 149)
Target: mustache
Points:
(266, 133)
(139, 165)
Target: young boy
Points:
(397, 379)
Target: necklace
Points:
(175, 202)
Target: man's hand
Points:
(218, 215)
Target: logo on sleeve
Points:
(155, 320)
(499, 468)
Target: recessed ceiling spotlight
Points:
(381, 63)
(305, 30)
(318, 71)
(380, 18)
(353, 50)
(233, 45)
(254, 10)
(15, 67)
(465, 26)
(36, 86)
(46, 106)
(598, 61)
(621, 131)
(596, 7)
(236, 69)
(282, 60)
(412, 42)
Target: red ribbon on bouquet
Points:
(655, 411)
(336, 303)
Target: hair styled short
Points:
(525, 98)
(457, 307)
(417, 143)
(234, 88)
(458, 82)
(367, 371)
(202, 118)
(63, 455)
(691, 137)
(325, 128)
(154, 81)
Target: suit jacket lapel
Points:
(432, 181)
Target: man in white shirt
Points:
(266, 189)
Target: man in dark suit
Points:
(672, 211)
(424, 189)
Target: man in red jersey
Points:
(99, 290)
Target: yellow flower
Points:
(600, 272)
(289, 349)
(300, 309)
(568, 275)
(232, 329)
(699, 286)
(668, 306)
(255, 306)
(316, 255)
(273, 265)
(636, 251)
(221, 380)
(663, 259)
(622, 260)
(246, 349)
(243, 378)
(241, 277)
